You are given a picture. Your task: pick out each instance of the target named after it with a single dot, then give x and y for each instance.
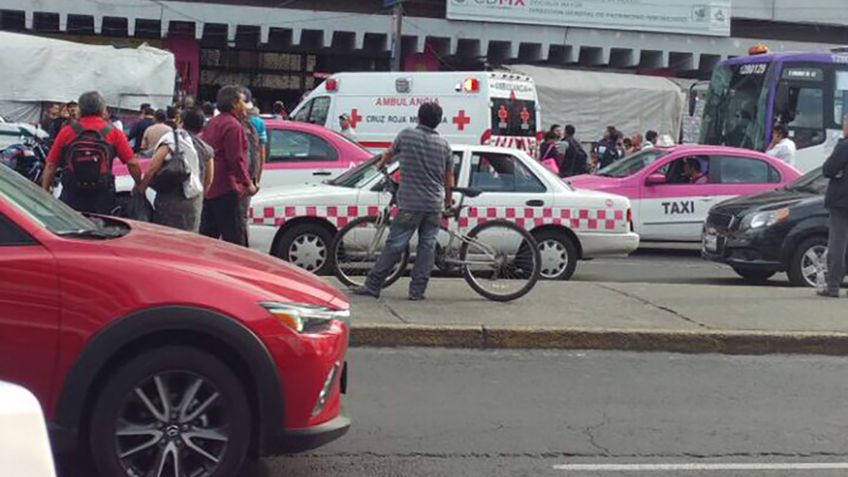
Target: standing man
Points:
(154, 133)
(836, 200)
(347, 128)
(426, 170)
(576, 159)
(88, 185)
(257, 138)
(781, 146)
(221, 217)
(651, 138)
(279, 110)
(144, 122)
(608, 151)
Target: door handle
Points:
(707, 199)
(321, 173)
(535, 203)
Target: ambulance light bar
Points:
(471, 85)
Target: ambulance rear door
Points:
(514, 113)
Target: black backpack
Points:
(88, 158)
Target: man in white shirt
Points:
(781, 146)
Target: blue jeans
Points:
(402, 229)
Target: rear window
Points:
(513, 117)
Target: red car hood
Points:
(269, 277)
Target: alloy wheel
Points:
(814, 262)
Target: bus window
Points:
(806, 116)
(840, 97)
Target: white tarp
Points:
(37, 69)
(591, 101)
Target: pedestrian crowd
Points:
(561, 152)
(205, 161)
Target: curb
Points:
(481, 337)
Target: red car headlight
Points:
(305, 318)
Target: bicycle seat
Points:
(468, 191)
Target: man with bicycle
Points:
(426, 171)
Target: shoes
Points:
(362, 291)
(417, 297)
(828, 292)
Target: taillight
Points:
(331, 84)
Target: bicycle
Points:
(498, 259)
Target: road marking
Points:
(705, 466)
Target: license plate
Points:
(710, 243)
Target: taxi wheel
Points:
(307, 246)
(559, 255)
(808, 259)
(753, 275)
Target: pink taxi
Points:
(672, 189)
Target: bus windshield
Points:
(735, 113)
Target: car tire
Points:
(308, 246)
(753, 275)
(801, 258)
(559, 255)
(209, 414)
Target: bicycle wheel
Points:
(501, 261)
(356, 248)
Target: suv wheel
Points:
(809, 259)
(173, 411)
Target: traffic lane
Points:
(665, 266)
(460, 412)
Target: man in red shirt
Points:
(221, 217)
(98, 196)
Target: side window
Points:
(740, 170)
(502, 173)
(457, 166)
(319, 111)
(295, 146)
(11, 234)
(806, 118)
(302, 114)
(692, 170)
(840, 97)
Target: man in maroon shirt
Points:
(101, 199)
(221, 217)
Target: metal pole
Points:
(397, 29)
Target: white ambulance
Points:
(493, 108)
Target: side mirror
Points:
(655, 179)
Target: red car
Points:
(153, 347)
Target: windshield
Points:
(736, 106)
(633, 164)
(359, 176)
(813, 182)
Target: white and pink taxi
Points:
(672, 189)
(297, 223)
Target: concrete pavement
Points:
(668, 311)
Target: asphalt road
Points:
(452, 412)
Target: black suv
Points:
(779, 231)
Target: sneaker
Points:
(362, 291)
(417, 297)
(828, 292)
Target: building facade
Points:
(282, 48)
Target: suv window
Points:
(11, 234)
(296, 146)
(741, 170)
(492, 172)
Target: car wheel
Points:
(171, 411)
(753, 275)
(809, 259)
(307, 246)
(559, 255)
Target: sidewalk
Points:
(625, 316)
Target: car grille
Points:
(721, 221)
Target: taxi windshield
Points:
(633, 164)
(357, 177)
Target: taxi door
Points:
(510, 190)
(671, 209)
